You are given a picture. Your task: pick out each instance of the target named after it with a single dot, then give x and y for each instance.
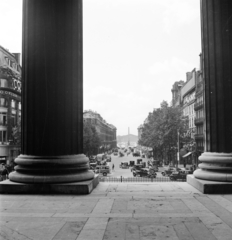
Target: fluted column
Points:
(217, 53)
(52, 95)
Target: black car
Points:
(169, 170)
(144, 172)
(137, 167)
(136, 154)
(178, 175)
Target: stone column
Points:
(52, 95)
(217, 53)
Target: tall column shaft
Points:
(217, 54)
(217, 51)
(52, 96)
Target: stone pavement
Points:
(131, 211)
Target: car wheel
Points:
(104, 174)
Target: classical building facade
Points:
(106, 131)
(52, 143)
(188, 100)
(10, 103)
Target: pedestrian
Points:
(4, 172)
(113, 167)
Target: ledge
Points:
(85, 187)
(210, 187)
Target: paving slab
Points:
(138, 211)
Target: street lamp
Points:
(178, 147)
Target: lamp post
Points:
(178, 147)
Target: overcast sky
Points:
(134, 50)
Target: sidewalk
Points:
(131, 211)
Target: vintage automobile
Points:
(92, 166)
(144, 172)
(121, 154)
(136, 154)
(108, 158)
(124, 165)
(169, 170)
(136, 167)
(104, 169)
(178, 175)
(132, 163)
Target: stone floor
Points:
(131, 211)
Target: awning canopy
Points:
(187, 154)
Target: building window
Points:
(3, 136)
(19, 106)
(3, 118)
(3, 102)
(3, 83)
(13, 103)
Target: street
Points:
(118, 172)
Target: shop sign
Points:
(9, 93)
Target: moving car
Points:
(124, 165)
(108, 158)
(144, 172)
(136, 167)
(104, 169)
(168, 171)
(178, 175)
(136, 154)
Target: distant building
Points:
(106, 131)
(10, 103)
(199, 110)
(188, 100)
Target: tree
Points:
(91, 139)
(16, 134)
(160, 131)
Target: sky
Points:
(134, 51)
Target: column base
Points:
(85, 187)
(210, 187)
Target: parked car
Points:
(104, 169)
(178, 175)
(136, 154)
(124, 165)
(92, 166)
(108, 158)
(115, 153)
(132, 163)
(144, 172)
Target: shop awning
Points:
(187, 154)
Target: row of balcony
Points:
(199, 120)
(198, 105)
(199, 136)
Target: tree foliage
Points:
(16, 134)
(91, 139)
(161, 128)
